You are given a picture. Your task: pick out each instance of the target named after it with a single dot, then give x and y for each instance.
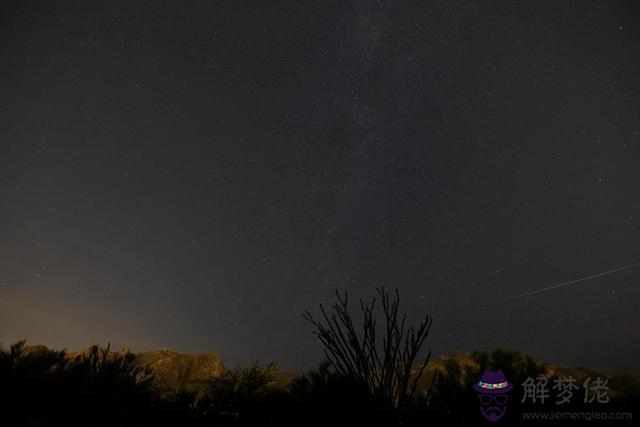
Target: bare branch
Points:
(385, 366)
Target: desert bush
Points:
(454, 397)
(245, 396)
(516, 366)
(39, 386)
(324, 396)
(385, 364)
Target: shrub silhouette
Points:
(385, 365)
(111, 380)
(326, 397)
(39, 386)
(245, 396)
(454, 398)
(516, 366)
(45, 387)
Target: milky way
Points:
(196, 176)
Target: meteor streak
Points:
(561, 285)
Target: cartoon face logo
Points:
(493, 389)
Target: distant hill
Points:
(175, 372)
(619, 384)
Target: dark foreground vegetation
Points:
(369, 379)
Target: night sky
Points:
(195, 175)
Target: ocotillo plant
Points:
(383, 364)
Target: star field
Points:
(197, 175)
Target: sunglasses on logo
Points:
(486, 399)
